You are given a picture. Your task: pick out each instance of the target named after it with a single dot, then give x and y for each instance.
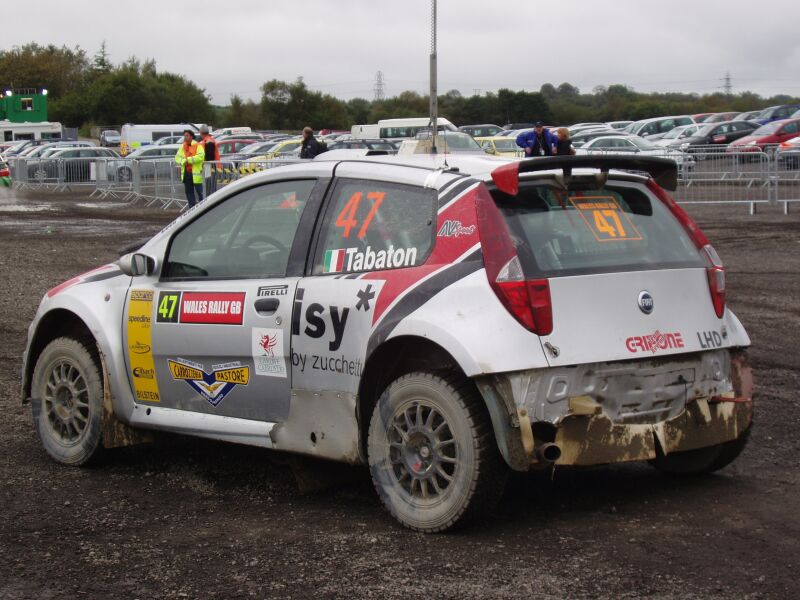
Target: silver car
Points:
(443, 323)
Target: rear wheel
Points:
(69, 397)
(432, 453)
(701, 460)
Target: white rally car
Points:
(442, 323)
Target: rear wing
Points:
(663, 170)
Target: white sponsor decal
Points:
(268, 357)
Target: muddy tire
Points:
(68, 401)
(701, 460)
(432, 453)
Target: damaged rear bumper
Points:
(617, 412)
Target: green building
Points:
(23, 106)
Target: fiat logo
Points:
(645, 302)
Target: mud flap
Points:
(117, 434)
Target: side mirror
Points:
(136, 264)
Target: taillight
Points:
(528, 301)
(714, 268)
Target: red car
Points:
(771, 133)
(234, 146)
(701, 117)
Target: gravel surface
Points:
(185, 518)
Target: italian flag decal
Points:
(334, 261)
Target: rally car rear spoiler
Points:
(663, 170)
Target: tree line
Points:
(85, 91)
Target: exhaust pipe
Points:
(548, 453)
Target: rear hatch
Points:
(626, 278)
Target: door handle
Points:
(267, 306)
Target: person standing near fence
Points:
(190, 157)
(310, 147)
(212, 154)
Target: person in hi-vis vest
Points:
(190, 157)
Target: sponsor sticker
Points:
(367, 259)
(212, 308)
(213, 386)
(654, 342)
(266, 291)
(268, 356)
(453, 228)
(604, 218)
(140, 355)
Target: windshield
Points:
(643, 144)
(505, 145)
(674, 133)
(460, 141)
(767, 129)
(257, 148)
(614, 229)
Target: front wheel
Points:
(68, 401)
(432, 453)
(701, 460)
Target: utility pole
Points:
(380, 94)
(433, 92)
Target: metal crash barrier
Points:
(746, 175)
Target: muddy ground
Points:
(184, 518)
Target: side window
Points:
(373, 225)
(248, 235)
(789, 128)
(666, 125)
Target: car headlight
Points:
(685, 145)
(751, 143)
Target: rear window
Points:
(614, 229)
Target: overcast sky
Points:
(338, 46)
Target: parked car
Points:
(234, 145)
(281, 150)
(788, 153)
(675, 136)
(776, 113)
(499, 146)
(714, 134)
(749, 115)
(110, 138)
(485, 130)
(165, 153)
(37, 150)
(701, 117)
(332, 309)
(580, 138)
(619, 124)
(658, 125)
(362, 144)
(722, 117)
(634, 145)
(169, 140)
(771, 133)
(69, 164)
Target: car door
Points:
(788, 131)
(219, 313)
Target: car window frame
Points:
(326, 216)
(298, 253)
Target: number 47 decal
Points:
(167, 311)
(603, 217)
(347, 217)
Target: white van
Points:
(135, 136)
(10, 131)
(408, 128)
(365, 132)
(231, 131)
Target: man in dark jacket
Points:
(311, 147)
(539, 142)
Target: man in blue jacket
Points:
(539, 142)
